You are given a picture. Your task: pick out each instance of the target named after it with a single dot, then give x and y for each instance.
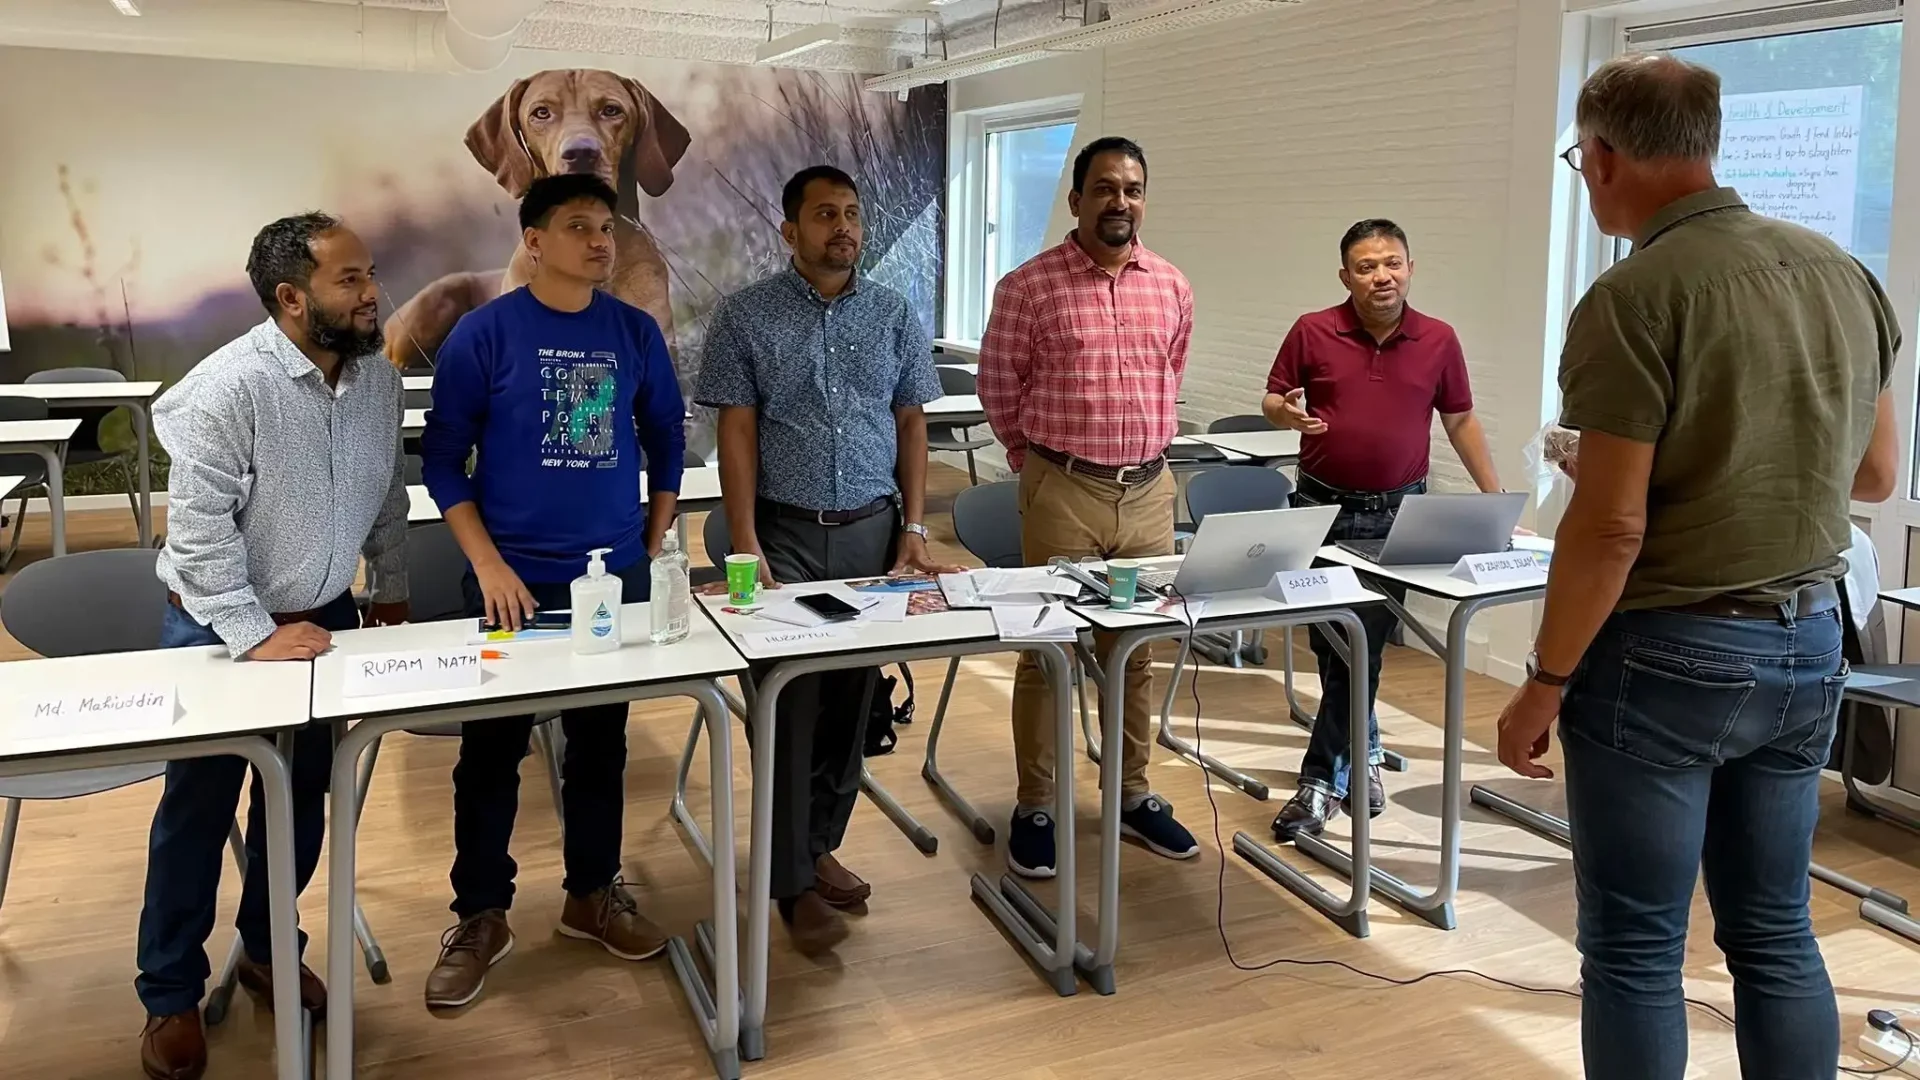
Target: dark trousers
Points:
(486, 781)
(1329, 747)
(1693, 749)
(820, 720)
(188, 843)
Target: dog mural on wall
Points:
(567, 120)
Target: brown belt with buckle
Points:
(828, 517)
(1812, 600)
(1124, 475)
(280, 618)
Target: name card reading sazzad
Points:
(120, 709)
(1506, 568)
(412, 672)
(1322, 585)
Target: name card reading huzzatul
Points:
(1506, 568)
(104, 710)
(412, 672)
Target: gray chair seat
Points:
(77, 782)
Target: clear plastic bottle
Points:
(671, 601)
(596, 607)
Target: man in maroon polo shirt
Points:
(1361, 382)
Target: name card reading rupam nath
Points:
(119, 709)
(412, 672)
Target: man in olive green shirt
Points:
(1728, 379)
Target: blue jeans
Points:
(593, 793)
(188, 843)
(1696, 743)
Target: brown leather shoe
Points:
(611, 917)
(174, 1047)
(466, 952)
(1307, 812)
(837, 885)
(257, 979)
(814, 925)
(1376, 794)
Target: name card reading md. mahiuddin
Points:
(412, 672)
(1322, 585)
(1506, 568)
(119, 709)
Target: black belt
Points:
(1810, 601)
(828, 517)
(1325, 494)
(1124, 475)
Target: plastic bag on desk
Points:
(1553, 454)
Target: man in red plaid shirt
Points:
(1079, 370)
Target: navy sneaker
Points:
(1030, 844)
(1152, 824)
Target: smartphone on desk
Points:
(827, 606)
(542, 620)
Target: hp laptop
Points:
(1434, 529)
(1236, 552)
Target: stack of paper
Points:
(1033, 585)
(1034, 622)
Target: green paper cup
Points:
(1123, 579)
(743, 580)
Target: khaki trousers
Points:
(1077, 516)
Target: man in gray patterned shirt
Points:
(819, 376)
(286, 469)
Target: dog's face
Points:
(582, 121)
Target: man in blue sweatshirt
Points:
(558, 386)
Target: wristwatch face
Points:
(916, 529)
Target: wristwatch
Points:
(915, 528)
(1544, 678)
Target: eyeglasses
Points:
(1575, 156)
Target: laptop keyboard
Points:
(1157, 580)
(1366, 549)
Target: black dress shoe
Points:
(1376, 795)
(1307, 812)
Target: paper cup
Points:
(1123, 579)
(743, 580)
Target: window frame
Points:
(969, 300)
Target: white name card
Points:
(411, 672)
(115, 709)
(1322, 585)
(796, 639)
(1506, 568)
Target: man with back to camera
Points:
(1691, 639)
(286, 470)
(1079, 369)
(819, 375)
(558, 386)
(1361, 382)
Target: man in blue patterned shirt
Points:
(819, 377)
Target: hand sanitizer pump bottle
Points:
(596, 607)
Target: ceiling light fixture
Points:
(798, 43)
(126, 7)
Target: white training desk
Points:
(873, 644)
(537, 676)
(971, 369)
(957, 347)
(8, 483)
(416, 382)
(1225, 613)
(48, 439)
(1435, 905)
(954, 408)
(220, 708)
(1265, 447)
(699, 494)
(1189, 464)
(135, 397)
(413, 422)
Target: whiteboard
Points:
(1795, 155)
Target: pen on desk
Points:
(492, 654)
(1040, 618)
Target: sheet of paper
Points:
(796, 639)
(888, 607)
(1034, 622)
(97, 711)
(996, 584)
(373, 674)
(786, 611)
(1189, 611)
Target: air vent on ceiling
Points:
(1756, 23)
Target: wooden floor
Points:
(926, 986)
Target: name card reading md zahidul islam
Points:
(120, 709)
(1505, 568)
(412, 672)
(1322, 585)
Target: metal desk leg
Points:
(1349, 914)
(1086, 665)
(290, 1022)
(56, 497)
(1051, 938)
(138, 414)
(930, 769)
(717, 1007)
(760, 716)
(1185, 749)
(877, 793)
(1435, 905)
(678, 808)
(1883, 916)
(1390, 760)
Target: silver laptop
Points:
(1433, 529)
(1235, 552)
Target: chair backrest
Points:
(14, 407)
(1243, 422)
(414, 468)
(957, 381)
(716, 537)
(693, 460)
(87, 603)
(418, 399)
(1231, 489)
(76, 374)
(987, 520)
(435, 565)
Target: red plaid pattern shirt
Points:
(1083, 362)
